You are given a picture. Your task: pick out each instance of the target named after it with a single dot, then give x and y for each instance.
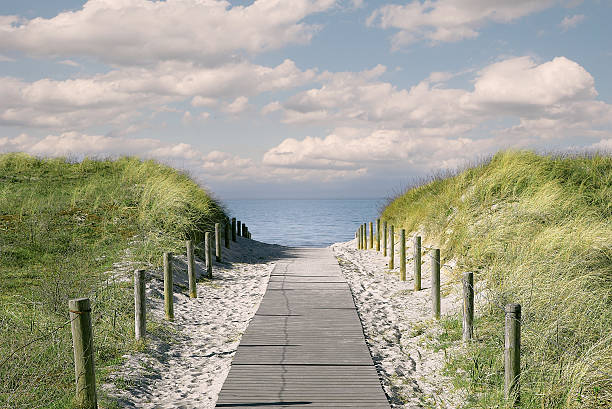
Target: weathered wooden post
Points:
(233, 229)
(435, 283)
(191, 271)
(417, 263)
(365, 236)
(391, 247)
(82, 342)
(512, 353)
(140, 306)
(217, 242)
(468, 306)
(239, 228)
(371, 235)
(377, 234)
(403, 254)
(208, 253)
(226, 234)
(168, 285)
(246, 232)
(385, 239)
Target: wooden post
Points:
(403, 254)
(246, 231)
(377, 234)
(191, 271)
(417, 263)
(391, 247)
(356, 240)
(385, 239)
(208, 253)
(233, 229)
(365, 236)
(82, 342)
(362, 236)
(168, 284)
(217, 242)
(226, 235)
(512, 353)
(468, 306)
(371, 242)
(239, 228)
(435, 283)
(140, 306)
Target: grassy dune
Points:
(62, 225)
(535, 230)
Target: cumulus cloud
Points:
(439, 21)
(237, 106)
(571, 22)
(139, 32)
(121, 95)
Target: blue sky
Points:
(304, 98)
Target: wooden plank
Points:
(305, 345)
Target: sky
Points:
(304, 98)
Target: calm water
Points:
(306, 223)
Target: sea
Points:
(304, 223)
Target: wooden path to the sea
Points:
(305, 347)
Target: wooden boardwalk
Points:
(305, 346)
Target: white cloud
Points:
(237, 106)
(571, 22)
(449, 20)
(122, 95)
(69, 63)
(139, 32)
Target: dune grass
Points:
(62, 226)
(536, 230)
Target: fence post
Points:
(377, 234)
(82, 342)
(233, 229)
(168, 284)
(246, 232)
(417, 263)
(239, 228)
(371, 244)
(191, 272)
(140, 307)
(391, 247)
(403, 254)
(365, 236)
(226, 234)
(512, 353)
(208, 253)
(468, 306)
(217, 242)
(385, 239)
(435, 283)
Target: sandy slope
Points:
(397, 322)
(187, 367)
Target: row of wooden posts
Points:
(512, 349)
(80, 309)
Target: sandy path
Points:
(186, 367)
(397, 322)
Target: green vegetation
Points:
(535, 230)
(62, 226)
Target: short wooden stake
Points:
(371, 235)
(218, 242)
(417, 263)
(82, 342)
(468, 306)
(191, 271)
(140, 306)
(403, 254)
(365, 236)
(226, 234)
(239, 228)
(385, 239)
(208, 253)
(246, 231)
(361, 237)
(512, 353)
(435, 283)
(377, 234)
(391, 247)
(168, 285)
(233, 229)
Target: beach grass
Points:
(535, 230)
(63, 224)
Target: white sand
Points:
(188, 370)
(397, 322)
